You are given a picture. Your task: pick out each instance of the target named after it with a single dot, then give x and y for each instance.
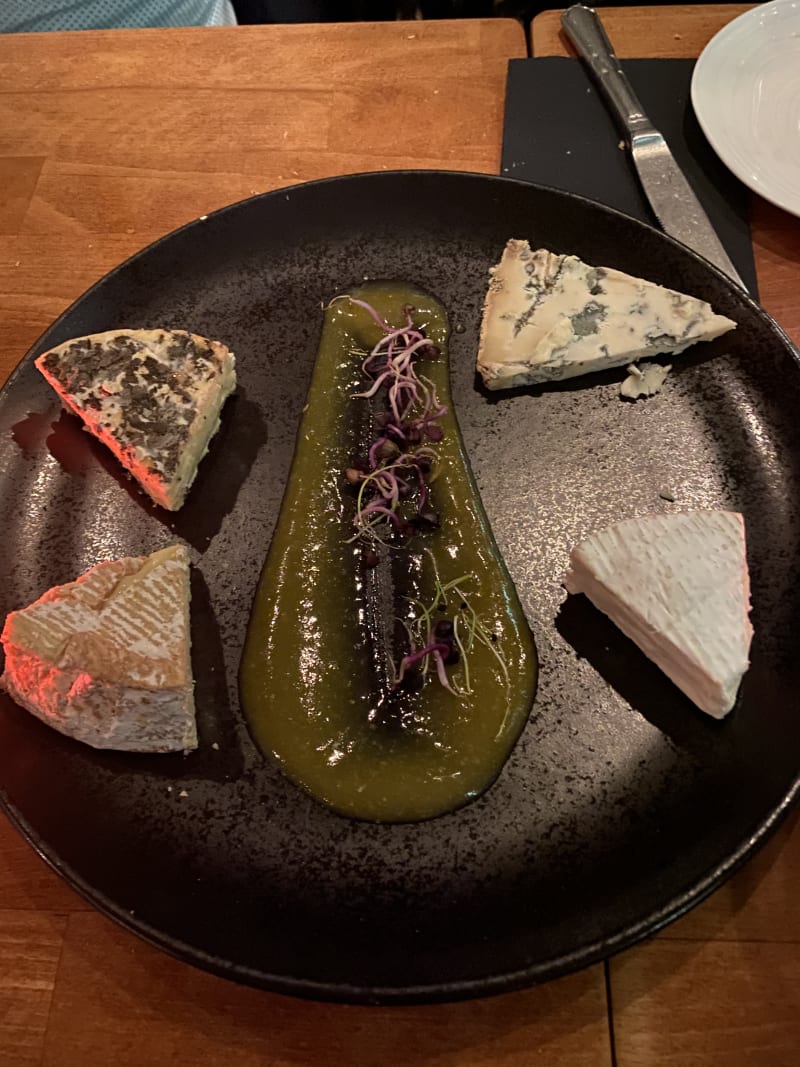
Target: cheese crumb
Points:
(644, 381)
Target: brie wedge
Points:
(548, 317)
(152, 396)
(106, 659)
(679, 587)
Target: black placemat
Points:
(558, 132)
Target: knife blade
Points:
(671, 197)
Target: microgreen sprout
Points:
(395, 478)
(443, 635)
(393, 502)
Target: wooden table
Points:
(108, 141)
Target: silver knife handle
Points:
(584, 28)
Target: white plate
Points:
(746, 93)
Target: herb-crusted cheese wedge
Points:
(548, 317)
(677, 585)
(106, 659)
(152, 396)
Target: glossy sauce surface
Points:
(318, 670)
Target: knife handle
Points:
(585, 30)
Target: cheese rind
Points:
(548, 317)
(678, 586)
(106, 659)
(151, 396)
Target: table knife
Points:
(672, 199)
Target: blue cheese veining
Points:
(152, 396)
(548, 317)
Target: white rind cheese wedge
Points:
(152, 396)
(106, 659)
(548, 317)
(678, 586)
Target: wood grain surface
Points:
(160, 1010)
(108, 140)
(678, 31)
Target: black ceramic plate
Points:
(621, 805)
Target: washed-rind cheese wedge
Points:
(106, 659)
(678, 586)
(548, 317)
(152, 396)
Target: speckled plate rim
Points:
(445, 992)
(586, 954)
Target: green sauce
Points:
(318, 670)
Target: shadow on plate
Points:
(31, 433)
(241, 436)
(233, 450)
(635, 678)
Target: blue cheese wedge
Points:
(547, 317)
(678, 586)
(151, 396)
(106, 659)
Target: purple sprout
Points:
(400, 462)
(394, 480)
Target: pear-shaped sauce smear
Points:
(388, 666)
